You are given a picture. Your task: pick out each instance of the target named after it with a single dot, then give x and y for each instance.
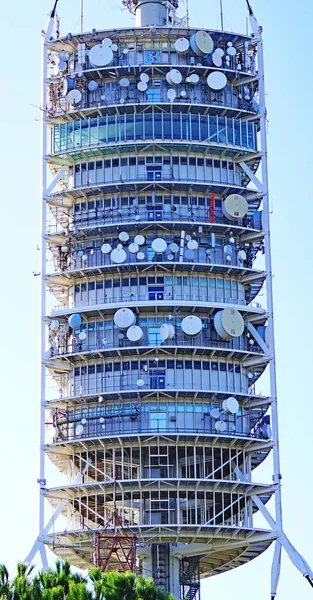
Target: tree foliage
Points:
(58, 583)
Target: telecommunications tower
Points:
(156, 244)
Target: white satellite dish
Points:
(219, 51)
(101, 420)
(140, 383)
(140, 256)
(182, 45)
(194, 79)
(215, 413)
(63, 56)
(191, 325)
(217, 80)
(220, 426)
(79, 430)
(65, 87)
(100, 399)
(217, 59)
(192, 245)
(174, 77)
(139, 239)
(201, 43)
(124, 318)
(82, 335)
(100, 55)
(174, 247)
(118, 256)
(107, 42)
(133, 248)
(231, 51)
(164, 332)
(235, 207)
(123, 237)
(242, 256)
(142, 86)
(74, 97)
(228, 250)
(124, 82)
(159, 245)
(230, 406)
(171, 94)
(106, 248)
(229, 323)
(62, 66)
(183, 94)
(114, 47)
(144, 77)
(134, 333)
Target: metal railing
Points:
(131, 297)
(154, 341)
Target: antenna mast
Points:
(222, 17)
(81, 16)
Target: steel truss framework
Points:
(189, 493)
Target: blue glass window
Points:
(152, 56)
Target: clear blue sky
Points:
(288, 54)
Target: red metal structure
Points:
(114, 548)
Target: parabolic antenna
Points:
(231, 406)
(229, 323)
(235, 207)
(134, 333)
(100, 55)
(217, 80)
(191, 325)
(159, 245)
(118, 256)
(182, 45)
(201, 43)
(124, 318)
(106, 248)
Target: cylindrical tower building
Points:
(154, 216)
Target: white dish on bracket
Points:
(201, 43)
(159, 245)
(124, 318)
(124, 82)
(217, 80)
(123, 237)
(133, 248)
(230, 406)
(118, 255)
(106, 248)
(100, 55)
(182, 45)
(229, 323)
(134, 333)
(74, 97)
(174, 77)
(139, 239)
(235, 207)
(191, 325)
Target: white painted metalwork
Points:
(154, 356)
